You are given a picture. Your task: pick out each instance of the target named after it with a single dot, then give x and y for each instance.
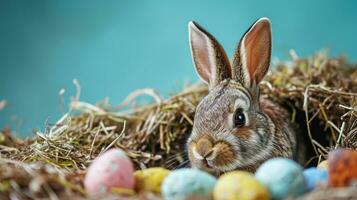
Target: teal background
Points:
(115, 47)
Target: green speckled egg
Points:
(283, 178)
(184, 183)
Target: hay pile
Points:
(320, 92)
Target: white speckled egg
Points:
(283, 178)
(112, 169)
(185, 183)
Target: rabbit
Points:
(234, 128)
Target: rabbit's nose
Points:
(203, 149)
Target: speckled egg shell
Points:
(239, 185)
(342, 168)
(283, 178)
(185, 183)
(150, 179)
(315, 178)
(323, 164)
(112, 169)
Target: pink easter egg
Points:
(111, 169)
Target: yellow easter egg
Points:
(323, 165)
(150, 179)
(239, 185)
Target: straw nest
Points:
(320, 93)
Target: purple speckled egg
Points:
(112, 169)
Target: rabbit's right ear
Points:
(208, 56)
(252, 57)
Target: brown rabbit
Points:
(233, 127)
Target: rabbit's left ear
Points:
(252, 57)
(209, 58)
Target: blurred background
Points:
(115, 47)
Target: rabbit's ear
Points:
(208, 56)
(252, 57)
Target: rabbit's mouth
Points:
(207, 166)
(213, 169)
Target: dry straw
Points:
(320, 92)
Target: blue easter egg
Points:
(283, 178)
(183, 183)
(315, 177)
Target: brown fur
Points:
(216, 143)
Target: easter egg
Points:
(315, 177)
(283, 178)
(187, 182)
(150, 179)
(239, 185)
(113, 169)
(342, 168)
(323, 165)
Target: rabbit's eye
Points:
(239, 118)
